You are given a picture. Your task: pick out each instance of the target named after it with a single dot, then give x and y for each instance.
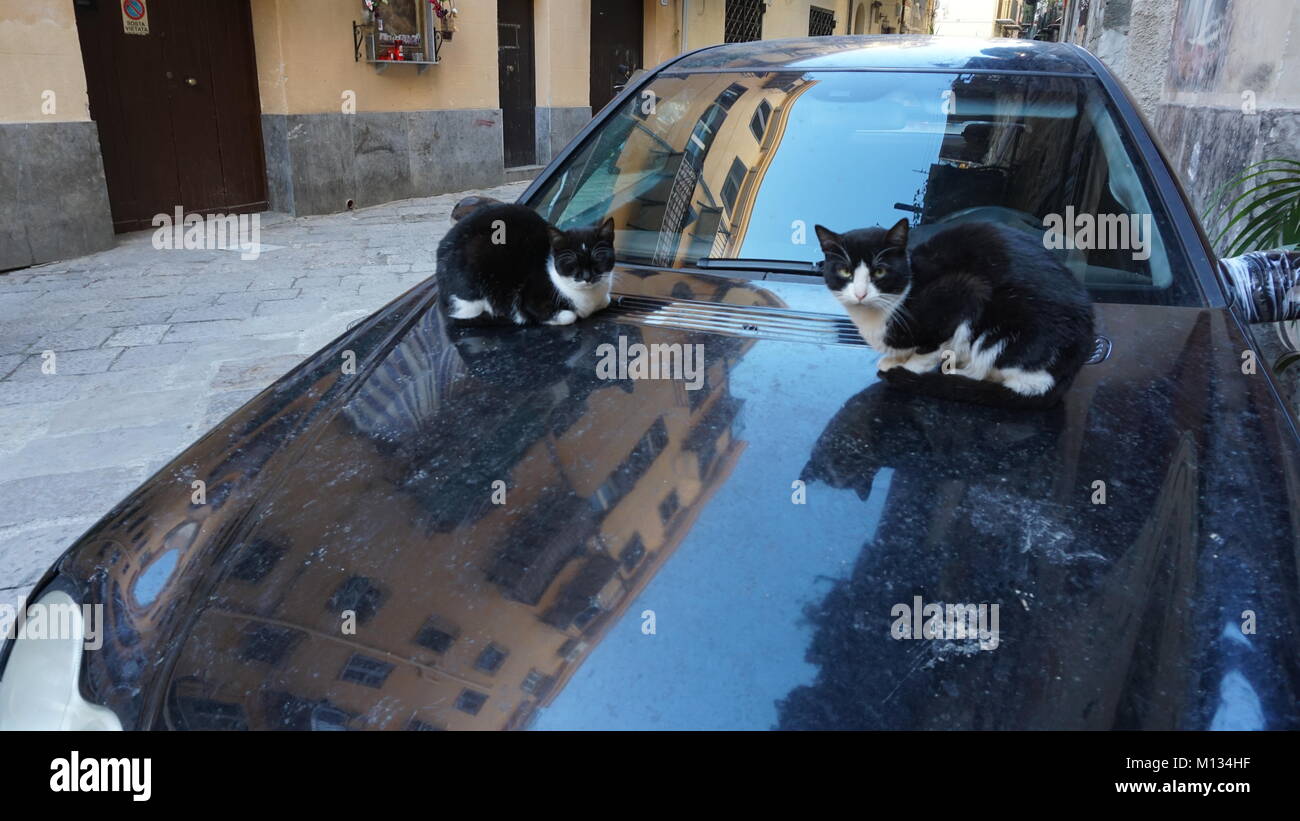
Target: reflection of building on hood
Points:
(469, 614)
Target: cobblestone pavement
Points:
(154, 347)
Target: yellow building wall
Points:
(706, 22)
(304, 61)
(40, 56)
(706, 19)
(563, 48)
(661, 32)
(789, 18)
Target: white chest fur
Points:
(586, 300)
(872, 324)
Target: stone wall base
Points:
(53, 199)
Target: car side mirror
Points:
(1264, 285)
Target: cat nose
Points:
(861, 295)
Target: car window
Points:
(742, 166)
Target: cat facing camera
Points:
(502, 264)
(979, 312)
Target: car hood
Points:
(500, 529)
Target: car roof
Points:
(891, 52)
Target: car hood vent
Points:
(736, 320)
(759, 322)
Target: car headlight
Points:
(40, 685)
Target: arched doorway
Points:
(860, 19)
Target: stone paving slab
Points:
(154, 347)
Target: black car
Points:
(701, 508)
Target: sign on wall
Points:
(135, 17)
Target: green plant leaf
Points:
(1285, 361)
(1259, 202)
(1278, 223)
(1273, 219)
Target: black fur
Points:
(511, 274)
(975, 391)
(1000, 280)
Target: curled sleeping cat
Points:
(1010, 322)
(504, 264)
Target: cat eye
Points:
(878, 273)
(844, 272)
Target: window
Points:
(668, 508)
(730, 94)
(491, 659)
(626, 475)
(579, 601)
(731, 186)
(436, 635)
(584, 618)
(358, 595)
(536, 683)
(327, 717)
(471, 701)
(821, 22)
(534, 552)
(256, 560)
(703, 438)
(366, 671)
(571, 649)
(758, 123)
(633, 552)
(419, 726)
(743, 21)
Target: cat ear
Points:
(897, 235)
(606, 231)
(558, 238)
(829, 240)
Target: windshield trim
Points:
(769, 69)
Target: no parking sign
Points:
(135, 17)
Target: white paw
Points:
(563, 318)
(468, 308)
(1027, 383)
(921, 364)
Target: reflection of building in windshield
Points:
(468, 614)
(699, 199)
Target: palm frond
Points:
(1266, 214)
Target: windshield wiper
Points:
(775, 266)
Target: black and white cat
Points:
(504, 264)
(1013, 321)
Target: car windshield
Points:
(741, 166)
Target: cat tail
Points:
(964, 389)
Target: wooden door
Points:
(177, 109)
(515, 81)
(615, 47)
